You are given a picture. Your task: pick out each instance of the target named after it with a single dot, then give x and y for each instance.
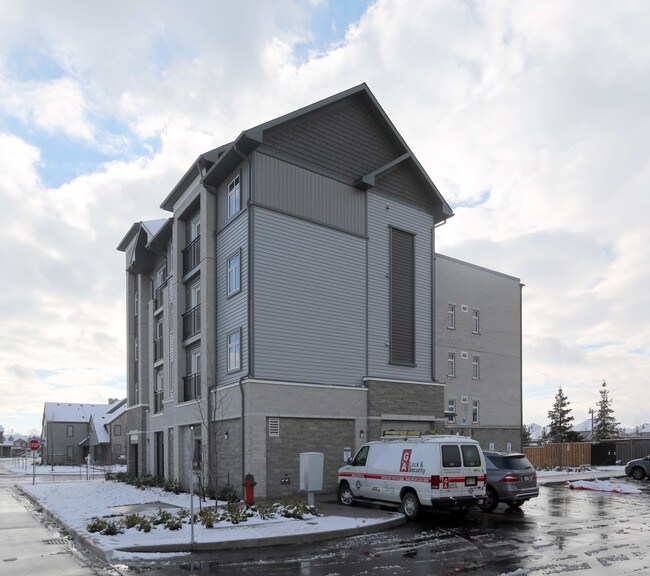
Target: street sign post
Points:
(34, 445)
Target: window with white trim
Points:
(69, 430)
(451, 316)
(451, 409)
(451, 364)
(476, 367)
(476, 323)
(234, 351)
(234, 197)
(475, 411)
(234, 273)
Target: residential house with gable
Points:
(288, 303)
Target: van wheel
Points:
(491, 500)
(345, 495)
(410, 505)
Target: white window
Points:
(234, 351)
(136, 348)
(69, 430)
(451, 316)
(195, 361)
(451, 409)
(195, 228)
(476, 325)
(451, 364)
(195, 294)
(161, 275)
(234, 197)
(136, 301)
(117, 430)
(475, 404)
(476, 367)
(234, 273)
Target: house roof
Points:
(149, 227)
(100, 422)
(68, 412)
(217, 163)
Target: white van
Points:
(446, 472)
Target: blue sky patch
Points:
(474, 202)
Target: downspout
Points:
(249, 298)
(521, 363)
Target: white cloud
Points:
(531, 115)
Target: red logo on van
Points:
(406, 458)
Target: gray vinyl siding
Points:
(341, 139)
(400, 183)
(382, 214)
(294, 190)
(232, 312)
(309, 301)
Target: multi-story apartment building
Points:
(287, 305)
(478, 352)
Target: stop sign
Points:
(34, 444)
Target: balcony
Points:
(192, 322)
(191, 387)
(158, 349)
(158, 296)
(191, 255)
(158, 402)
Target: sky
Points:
(532, 118)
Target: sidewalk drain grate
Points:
(55, 541)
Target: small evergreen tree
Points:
(605, 425)
(526, 438)
(559, 429)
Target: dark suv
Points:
(511, 479)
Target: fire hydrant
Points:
(249, 489)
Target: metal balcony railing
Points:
(191, 255)
(157, 401)
(158, 349)
(158, 296)
(192, 387)
(192, 322)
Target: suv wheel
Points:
(638, 473)
(491, 500)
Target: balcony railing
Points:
(191, 255)
(158, 349)
(158, 402)
(158, 296)
(192, 387)
(192, 322)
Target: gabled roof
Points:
(218, 163)
(78, 413)
(149, 227)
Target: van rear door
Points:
(452, 477)
(473, 469)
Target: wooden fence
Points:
(553, 455)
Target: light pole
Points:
(591, 411)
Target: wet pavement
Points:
(562, 532)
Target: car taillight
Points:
(435, 481)
(510, 478)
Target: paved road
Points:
(29, 548)
(564, 531)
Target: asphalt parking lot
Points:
(562, 532)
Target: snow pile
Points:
(602, 486)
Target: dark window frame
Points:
(401, 353)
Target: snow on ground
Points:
(602, 486)
(598, 471)
(77, 502)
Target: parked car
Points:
(511, 479)
(639, 468)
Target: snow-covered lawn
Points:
(78, 502)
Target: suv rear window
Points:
(511, 462)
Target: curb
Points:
(71, 532)
(271, 540)
(96, 550)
